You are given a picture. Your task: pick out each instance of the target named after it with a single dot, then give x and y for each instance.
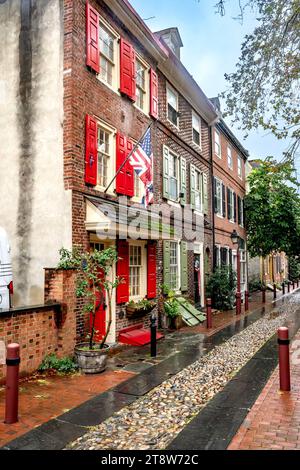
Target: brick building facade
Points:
(115, 78)
(229, 189)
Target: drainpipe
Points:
(212, 195)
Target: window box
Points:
(139, 309)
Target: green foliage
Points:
(143, 304)
(264, 89)
(273, 210)
(221, 288)
(171, 307)
(69, 259)
(255, 284)
(65, 365)
(94, 268)
(294, 268)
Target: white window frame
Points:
(220, 182)
(177, 163)
(143, 272)
(116, 68)
(232, 205)
(242, 212)
(199, 175)
(229, 157)
(239, 167)
(146, 107)
(178, 277)
(111, 166)
(217, 144)
(172, 90)
(195, 116)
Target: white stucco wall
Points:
(34, 207)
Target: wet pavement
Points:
(217, 423)
(175, 352)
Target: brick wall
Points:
(35, 329)
(230, 178)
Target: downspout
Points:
(212, 196)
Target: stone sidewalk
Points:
(43, 398)
(274, 421)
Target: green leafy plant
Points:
(221, 288)
(255, 285)
(171, 307)
(65, 365)
(294, 268)
(143, 304)
(93, 283)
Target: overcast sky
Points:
(211, 48)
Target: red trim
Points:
(151, 270)
(92, 38)
(127, 69)
(91, 150)
(125, 178)
(123, 272)
(153, 94)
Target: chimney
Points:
(172, 39)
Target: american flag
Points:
(142, 162)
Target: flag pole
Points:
(127, 158)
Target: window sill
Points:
(174, 125)
(173, 203)
(218, 156)
(219, 216)
(146, 113)
(110, 87)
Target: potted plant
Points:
(172, 311)
(95, 288)
(140, 308)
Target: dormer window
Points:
(172, 39)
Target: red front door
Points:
(100, 317)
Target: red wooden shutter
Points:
(90, 150)
(124, 179)
(92, 38)
(123, 272)
(151, 270)
(127, 69)
(153, 94)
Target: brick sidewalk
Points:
(274, 421)
(223, 319)
(42, 398)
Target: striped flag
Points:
(142, 162)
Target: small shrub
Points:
(221, 288)
(65, 365)
(171, 308)
(255, 284)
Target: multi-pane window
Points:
(173, 176)
(107, 53)
(104, 152)
(229, 158)
(231, 205)
(198, 191)
(172, 100)
(217, 144)
(135, 270)
(174, 268)
(140, 84)
(96, 246)
(218, 197)
(239, 165)
(196, 129)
